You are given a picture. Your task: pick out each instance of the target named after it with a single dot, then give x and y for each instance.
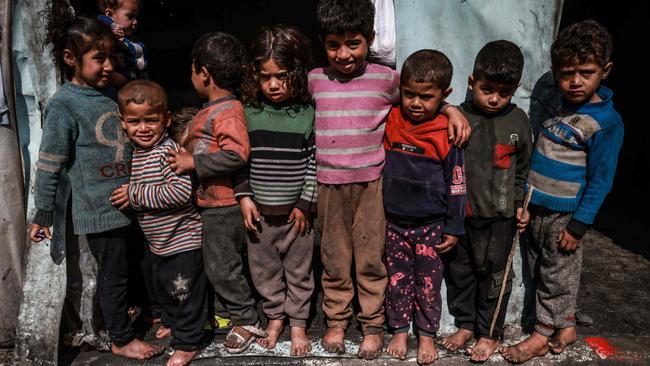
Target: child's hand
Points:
(249, 210)
(181, 162)
(567, 242)
(458, 128)
(448, 242)
(120, 197)
(522, 219)
(38, 232)
(118, 30)
(300, 222)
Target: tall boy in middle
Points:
(497, 162)
(217, 147)
(352, 98)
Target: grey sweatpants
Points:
(556, 274)
(280, 264)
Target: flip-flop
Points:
(244, 343)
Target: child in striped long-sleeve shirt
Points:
(352, 99)
(169, 220)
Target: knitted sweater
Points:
(217, 137)
(497, 160)
(163, 201)
(573, 165)
(282, 171)
(350, 122)
(82, 134)
(424, 174)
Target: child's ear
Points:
(606, 70)
(470, 82)
(109, 12)
(446, 93)
(205, 76)
(168, 118)
(371, 39)
(122, 122)
(68, 58)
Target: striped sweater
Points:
(350, 122)
(282, 169)
(163, 201)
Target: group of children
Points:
(400, 203)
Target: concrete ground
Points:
(615, 292)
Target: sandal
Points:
(253, 331)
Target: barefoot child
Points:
(82, 135)
(278, 196)
(496, 164)
(352, 98)
(171, 223)
(572, 169)
(217, 146)
(424, 198)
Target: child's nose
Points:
(342, 53)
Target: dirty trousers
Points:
(556, 274)
(224, 238)
(415, 272)
(280, 264)
(474, 274)
(352, 219)
(181, 288)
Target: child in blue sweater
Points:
(572, 169)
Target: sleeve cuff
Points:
(455, 229)
(43, 218)
(305, 207)
(577, 228)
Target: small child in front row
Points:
(424, 199)
(571, 173)
(215, 147)
(278, 196)
(167, 216)
(496, 164)
(352, 98)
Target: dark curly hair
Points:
(291, 50)
(427, 66)
(64, 31)
(342, 16)
(223, 56)
(579, 42)
(499, 62)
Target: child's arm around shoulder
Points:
(175, 191)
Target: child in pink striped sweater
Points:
(352, 99)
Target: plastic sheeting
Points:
(382, 50)
(459, 29)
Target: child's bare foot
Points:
(137, 349)
(300, 344)
(163, 332)
(181, 358)
(334, 340)
(371, 346)
(457, 340)
(562, 339)
(536, 345)
(397, 347)
(483, 349)
(273, 329)
(427, 350)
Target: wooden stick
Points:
(509, 263)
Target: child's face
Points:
(144, 124)
(125, 15)
(346, 52)
(93, 69)
(273, 82)
(489, 96)
(578, 82)
(421, 101)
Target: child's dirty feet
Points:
(427, 350)
(536, 345)
(371, 346)
(137, 349)
(483, 349)
(163, 332)
(457, 340)
(562, 339)
(273, 329)
(397, 347)
(334, 340)
(300, 344)
(182, 358)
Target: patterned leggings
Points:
(415, 273)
